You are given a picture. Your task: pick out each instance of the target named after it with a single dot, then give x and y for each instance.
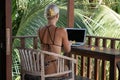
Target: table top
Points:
(96, 51)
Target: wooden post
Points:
(2, 41)
(70, 13)
(8, 40)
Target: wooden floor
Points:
(81, 78)
(30, 77)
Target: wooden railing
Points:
(22, 40)
(113, 43)
(95, 68)
(88, 67)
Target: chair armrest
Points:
(57, 55)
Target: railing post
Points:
(96, 72)
(103, 76)
(113, 44)
(35, 42)
(89, 40)
(97, 41)
(89, 68)
(82, 65)
(104, 43)
(22, 42)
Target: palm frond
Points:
(107, 22)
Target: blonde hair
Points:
(51, 11)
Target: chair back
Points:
(118, 65)
(32, 63)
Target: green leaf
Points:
(107, 22)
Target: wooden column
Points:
(70, 13)
(8, 40)
(2, 41)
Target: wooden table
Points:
(111, 55)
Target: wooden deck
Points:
(87, 67)
(29, 77)
(81, 78)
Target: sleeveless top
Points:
(52, 40)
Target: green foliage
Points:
(113, 4)
(107, 23)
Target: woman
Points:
(52, 38)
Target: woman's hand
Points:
(71, 42)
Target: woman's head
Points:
(51, 11)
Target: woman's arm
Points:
(66, 42)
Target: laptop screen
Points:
(76, 34)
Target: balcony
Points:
(93, 68)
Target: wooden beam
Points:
(2, 41)
(8, 40)
(70, 13)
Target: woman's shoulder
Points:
(61, 29)
(41, 28)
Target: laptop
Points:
(76, 35)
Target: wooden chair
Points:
(118, 65)
(32, 63)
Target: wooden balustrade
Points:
(95, 68)
(23, 40)
(113, 43)
(86, 66)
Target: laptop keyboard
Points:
(77, 44)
